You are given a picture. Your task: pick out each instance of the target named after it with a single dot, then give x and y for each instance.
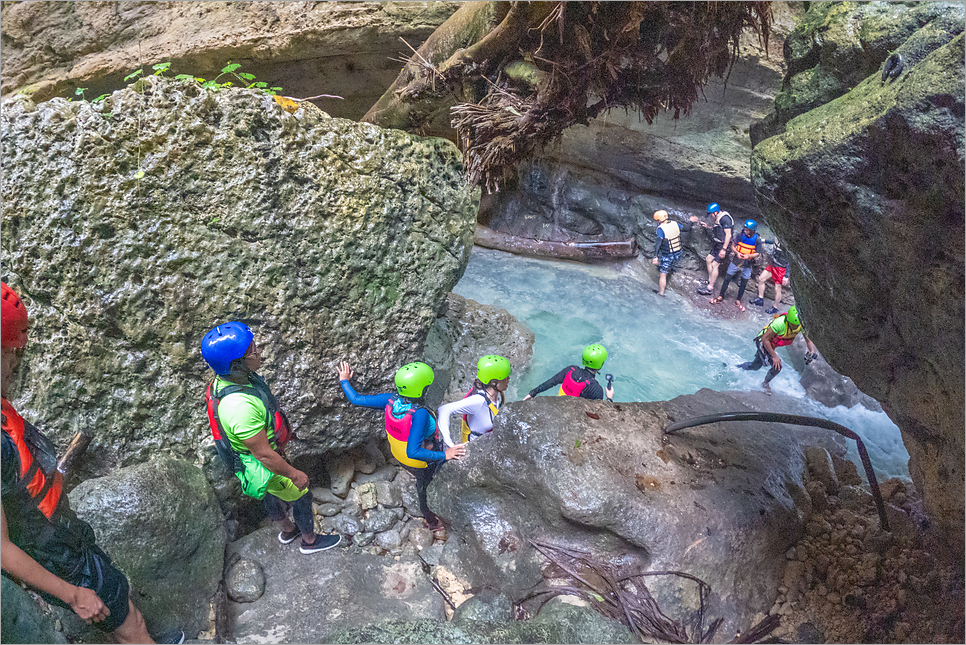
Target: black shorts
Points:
(86, 565)
(715, 249)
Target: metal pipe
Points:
(794, 419)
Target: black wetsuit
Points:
(592, 390)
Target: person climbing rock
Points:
(579, 381)
(746, 249)
(667, 245)
(482, 403)
(720, 244)
(411, 428)
(42, 542)
(250, 432)
(781, 331)
(774, 272)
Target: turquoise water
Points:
(658, 348)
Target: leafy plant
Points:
(134, 74)
(231, 70)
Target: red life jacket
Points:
(397, 430)
(570, 387)
(38, 486)
(278, 429)
(785, 339)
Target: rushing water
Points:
(658, 348)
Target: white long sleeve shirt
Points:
(479, 417)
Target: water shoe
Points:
(321, 543)
(287, 537)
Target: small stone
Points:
(363, 539)
(791, 554)
(421, 537)
(328, 509)
(388, 495)
(58, 626)
(346, 524)
(245, 581)
(341, 470)
(324, 496)
(833, 598)
(379, 520)
(384, 474)
(367, 496)
(388, 540)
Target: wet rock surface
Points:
(25, 619)
(245, 581)
(308, 596)
(162, 527)
(885, 154)
(720, 502)
(135, 225)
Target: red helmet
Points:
(14, 320)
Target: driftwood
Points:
(75, 450)
(582, 251)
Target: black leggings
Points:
(741, 286)
(277, 510)
(423, 477)
(762, 357)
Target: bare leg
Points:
(133, 630)
(662, 284)
(778, 294)
(713, 274)
(762, 279)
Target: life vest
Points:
(721, 225)
(570, 387)
(398, 429)
(782, 339)
(278, 429)
(747, 245)
(778, 259)
(493, 412)
(41, 484)
(672, 236)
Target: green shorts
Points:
(256, 480)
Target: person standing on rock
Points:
(746, 248)
(580, 381)
(250, 432)
(721, 244)
(775, 272)
(781, 331)
(43, 543)
(411, 428)
(482, 403)
(667, 245)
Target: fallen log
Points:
(580, 251)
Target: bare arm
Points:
(15, 561)
(262, 451)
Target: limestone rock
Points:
(161, 525)
(378, 520)
(296, 608)
(137, 224)
(50, 49)
(466, 330)
(23, 619)
(388, 495)
(886, 157)
(721, 503)
(245, 581)
(383, 474)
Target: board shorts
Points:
(715, 250)
(777, 273)
(667, 261)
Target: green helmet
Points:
(792, 315)
(492, 368)
(413, 379)
(594, 356)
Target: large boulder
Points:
(308, 48)
(868, 192)
(721, 502)
(162, 527)
(23, 619)
(133, 226)
(308, 596)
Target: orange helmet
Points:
(14, 320)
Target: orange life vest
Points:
(39, 486)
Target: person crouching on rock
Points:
(250, 431)
(482, 403)
(43, 543)
(779, 332)
(410, 427)
(580, 382)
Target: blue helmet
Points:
(225, 343)
(713, 208)
(751, 225)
